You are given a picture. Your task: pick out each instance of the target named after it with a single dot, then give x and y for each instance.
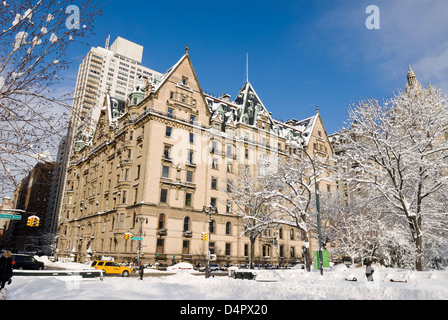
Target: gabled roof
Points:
(250, 105)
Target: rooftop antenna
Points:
(107, 42)
(247, 67)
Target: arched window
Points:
(228, 228)
(291, 234)
(187, 224)
(162, 221)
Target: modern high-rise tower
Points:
(111, 69)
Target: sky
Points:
(302, 53)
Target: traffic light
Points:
(33, 221)
(128, 236)
(204, 236)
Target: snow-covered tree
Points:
(295, 181)
(34, 38)
(252, 202)
(398, 151)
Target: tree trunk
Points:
(252, 252)
(307, 253)
(417, 237)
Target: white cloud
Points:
(411, 32)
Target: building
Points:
(114, 68)
(159, 157)
(33, 196)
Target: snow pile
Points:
(269, 285)
(180, 267)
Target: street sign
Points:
(137, 238)
(10, 216)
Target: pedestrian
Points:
(369, 271)
(141, 271)
(5, 269)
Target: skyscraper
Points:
(113, 68)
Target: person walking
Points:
(5, 269)
(369, 271)
(141, 270)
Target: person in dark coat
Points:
(141, 270)
(5, 268)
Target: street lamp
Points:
(139, 237)
(316, 192)
(209, 210)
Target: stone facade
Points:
(159, 157)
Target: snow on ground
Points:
(269, 285)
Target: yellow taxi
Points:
(111, 267)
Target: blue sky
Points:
(302, 53)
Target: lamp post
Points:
(316, 192)
(209, 210)
(139, 237)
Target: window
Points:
(191, 137)
(228, 206)
(171, 95)
(163, 195)
(162, 218)
(213, 202)
(160, 245)
(126, 175)
(187, 224)
(166, 152)
(214, 147)
(138, 172)
(125, 194)
(229, 152)
(227, 249)
(229, 167)
(192, 119)
(186, 247)
(168, 131)
(291, 234)
(214, 182)
(188, 199)
(246, 153)
(266, 250)
(190, 157)
(228, 228)
(184, 81)
(214, 163)
(165, 172)
(212, 226)
(170, 112)
(135, 195)
(184, 98)
(121, 225)
(189, 176)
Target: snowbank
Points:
(269, 285)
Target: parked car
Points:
(214, 267)
(26, 262)
(111, 267)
